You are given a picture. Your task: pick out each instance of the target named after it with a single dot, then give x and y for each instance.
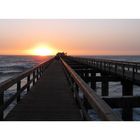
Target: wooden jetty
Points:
(64, 88)
(50, 99)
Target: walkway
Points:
(49, 100)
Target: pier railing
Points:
(90, 98)
(31, 76)
(126, 70)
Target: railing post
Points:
(104, 65)
(93, 82)
(123, 70)
(133, 72)
(71, 83)
(109, 66)
(76, 93)
(136, 68)
(33, 77)
(86, 76)
(101, 65)
(1, 105)
(115, 68)
(28, 82)
(86, 104)
(42, 69)
(39, 71)
(37, 74)
(83, 105)
(82, 75)
(18, 89)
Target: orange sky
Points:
(76, 37)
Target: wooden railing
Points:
(90, 98)
(32, 77)
(126, 70)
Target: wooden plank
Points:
(119, 102)
(103, 78)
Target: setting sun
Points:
(42, 50)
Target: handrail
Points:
(127, 70)
(108, 60)
(100, 106)
(36, 73)
(127, 63)
(11, 81)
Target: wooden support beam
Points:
(105, 88)
(86, 75)
(103, 78)
(93, 81)
(119, 102)
(82, 70)
(125, 102)
(105, 84)
(127, 89)
(80, 66)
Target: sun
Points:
(42, 49)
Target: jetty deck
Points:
(50, 99)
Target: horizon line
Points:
(73, 55)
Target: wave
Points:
(8, 73)
(21, 66)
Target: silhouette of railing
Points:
(126, 70)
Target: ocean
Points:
(14, 65)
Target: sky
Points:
(76, 37)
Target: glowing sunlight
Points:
(42, 50)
